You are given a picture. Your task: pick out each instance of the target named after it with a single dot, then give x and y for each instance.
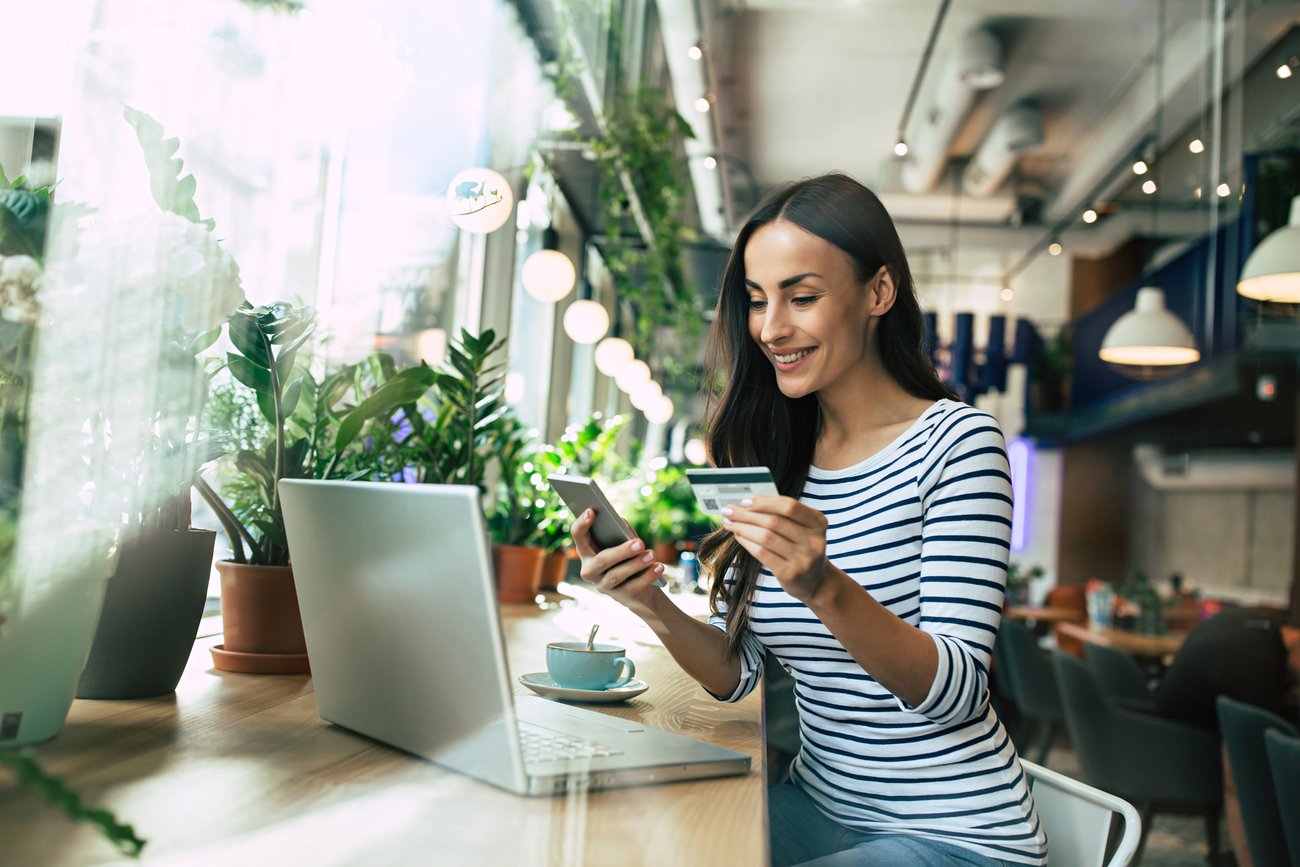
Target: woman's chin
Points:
(793, 390)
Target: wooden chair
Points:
(1077, 820)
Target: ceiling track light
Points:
(695, 52)
(1140, 167)
(1286, 70)
(704, 103)
(1196, 146)
(1090, 216)
(900, 149)
(1055, 248)
(1149, 187)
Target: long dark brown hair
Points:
(750, 422)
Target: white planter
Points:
(42, 651)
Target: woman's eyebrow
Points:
(787, 282)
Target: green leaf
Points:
(406, 387)
(266, 403)
(256, 378)
(290, 398)
(172, 191)
(248, 339)
(205, 340)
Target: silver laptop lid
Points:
(399, 611)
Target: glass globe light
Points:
(548, 275)
(632, 375)
(645, 394)
(613, 354)
(661, 411)
(479, 200)
(696, 452)
(585, 321)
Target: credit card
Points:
(724, 486)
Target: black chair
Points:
(1120, 676)
(1032, 682)
(1243, 727)
(1144, 759)
(1284, 755)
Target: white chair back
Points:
(1077, 820)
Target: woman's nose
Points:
(775, 324)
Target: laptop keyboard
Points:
(544, 745)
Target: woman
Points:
(877, 578)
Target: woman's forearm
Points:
(901, 658)
(700, 649)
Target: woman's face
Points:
(807, 310)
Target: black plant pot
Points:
(151, 615)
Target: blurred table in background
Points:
(240, 769)
(1046, 614)
(1135, 643)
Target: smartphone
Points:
(581, 493)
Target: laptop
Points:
(400, 614)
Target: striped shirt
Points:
(923, 525)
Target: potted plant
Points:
(516, 517)
(1018, 581)
(664, 515)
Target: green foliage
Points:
(172, 191)
(458, 427)
(669, 511)
(642, 131)
(287, 7)
(24, 215)
(32, 776)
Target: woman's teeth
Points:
(786, 359)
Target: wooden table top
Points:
(1047, 614)
(240, 769)
(1138, 644)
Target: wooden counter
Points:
(240, 769)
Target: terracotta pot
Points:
(259, 612)
(518, 572)
(666, 552)
(554, 566)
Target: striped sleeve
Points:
(964, 484)
(751, 657)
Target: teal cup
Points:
(572, 666)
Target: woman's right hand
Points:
(626, 572)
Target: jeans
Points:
(802, 834)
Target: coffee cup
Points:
(572, 666)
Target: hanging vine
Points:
(642, 129)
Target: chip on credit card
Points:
(725, 486)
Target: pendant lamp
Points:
(1148, 341)
(1272, 271)
(548, 275)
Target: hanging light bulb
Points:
(612, 355)
(644, 394)
(661, 411)
(479, 200)
(586, 321)
(1149, 340)
(1272, 271)
(632, 375)
(548, 275)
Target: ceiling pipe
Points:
(977, 65)
(1013, 133)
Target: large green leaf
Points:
(244, 370)
(172, 191)
(248, 339)
(290, 399)
(406, 387)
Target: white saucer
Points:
(540, 682)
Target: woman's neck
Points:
(862, 415)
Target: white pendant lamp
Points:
(1149, 338)
(661, 411)
(548, 275)
(634, 373)
(1272, 271)
(586, 321)
(479, 200)
(645, 394)
(613, 354)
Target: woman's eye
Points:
(757, 303)
(804, 300)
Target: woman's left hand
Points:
(787, 537)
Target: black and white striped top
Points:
(924, 526)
